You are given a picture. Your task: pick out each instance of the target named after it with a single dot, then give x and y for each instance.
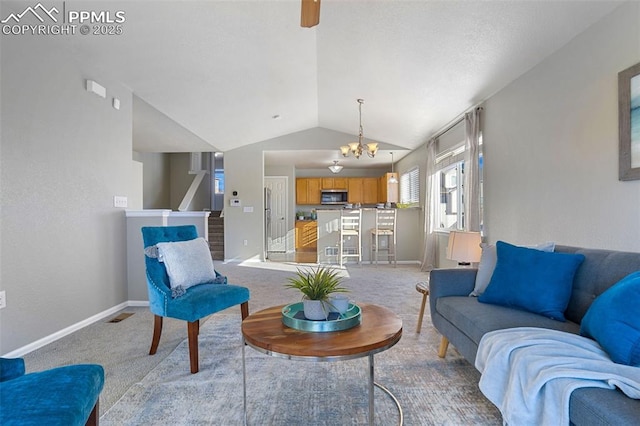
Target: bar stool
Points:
(422, 287)
(350, 232)
(385, 227)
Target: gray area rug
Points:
(430, 390)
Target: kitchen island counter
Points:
(328, 234)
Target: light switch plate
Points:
(119, 201)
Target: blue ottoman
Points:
(60, 396)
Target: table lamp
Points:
(464, 247)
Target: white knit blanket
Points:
(529, 373)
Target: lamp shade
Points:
(464, 247)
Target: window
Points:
(448, 208)
(449, 178)
(410, 186)
(450, 205)
(218, 183)
(450, 200)
(217, 158)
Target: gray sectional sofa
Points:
(462, 321)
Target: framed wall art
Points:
(629, 123)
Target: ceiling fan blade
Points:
(310, 16)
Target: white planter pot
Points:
(339, 303)
(315, 309)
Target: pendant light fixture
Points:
(393, 178)
(357, 148)
(335, 168)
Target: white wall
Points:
(551, 145)
(180, 180)
(156, 173)
(243, 170)
(416, 158)
(65, 154)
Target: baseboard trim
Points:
(72, 328)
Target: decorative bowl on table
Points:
(293, 316)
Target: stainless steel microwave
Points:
(333, 196)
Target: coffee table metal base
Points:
(372, 381)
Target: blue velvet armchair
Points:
(60, 396)
(196, 302)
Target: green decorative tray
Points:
(293, 316)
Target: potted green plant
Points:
(300, 215)
(316, 285)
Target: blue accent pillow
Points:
(613, 320)
(533, 280)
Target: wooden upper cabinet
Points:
(301, 190)
(334, 183)
(355, 186)
(388, 192)
(308, 190)
(313, 191)
(370, 191)
(363, 190)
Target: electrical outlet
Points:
(3, 299)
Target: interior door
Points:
(277, 232)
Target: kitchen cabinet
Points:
(363, 190)
(387, 191)
(334, 183)
(370, 191)
(306, 235)
(308, 190)
(354, 187)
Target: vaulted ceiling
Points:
(232, 73)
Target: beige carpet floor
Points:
(143, 389)
(283, 392)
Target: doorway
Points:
(276, 214)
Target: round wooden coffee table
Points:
(379, 330)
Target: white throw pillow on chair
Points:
(188, 263)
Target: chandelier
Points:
(357, 148)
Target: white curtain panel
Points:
(472, 170)
(429, 252)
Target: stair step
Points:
(216, 235)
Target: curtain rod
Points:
(454, 123)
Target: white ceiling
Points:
(223, 69)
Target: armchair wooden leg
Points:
(94, 416)
(193, 345)
(244, 310)
(157, 331)
(444, 344)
